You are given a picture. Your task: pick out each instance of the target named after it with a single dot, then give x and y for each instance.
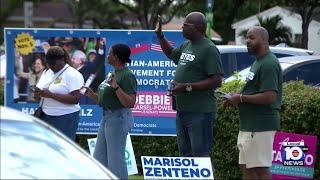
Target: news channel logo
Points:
(294, 153)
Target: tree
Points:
(102, 13)
(147, 10)
(226, 12)
(7, 8)
(307, 10)
(113, 19)
(278, 33)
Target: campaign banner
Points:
(294, 156)
(129, 154)
(153, 114)
(156, 104)
(176, 167)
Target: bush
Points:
(226, 129)
(300, 113)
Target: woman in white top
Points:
(59, 88)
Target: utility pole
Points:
(28, 13)
(209, 16)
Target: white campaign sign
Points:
(129, 154)
(176, 167)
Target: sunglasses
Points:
(188, 24)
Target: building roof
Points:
(45, 11)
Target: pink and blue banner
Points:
(305, 171)
(156, 104)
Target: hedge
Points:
(300, 113)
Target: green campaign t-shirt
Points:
(107, 97)
(196, 62)
(265, 75)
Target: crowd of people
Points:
(83, 53)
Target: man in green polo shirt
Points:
(259, 103)
(198, 73)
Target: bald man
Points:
(198, 74)
(259, 103)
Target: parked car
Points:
(236, 58)
(306, 68)
(32, 149)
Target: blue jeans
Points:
(111, 141)
(67, 124)
(195, 133)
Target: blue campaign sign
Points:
(153, 114)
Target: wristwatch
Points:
(189, 87)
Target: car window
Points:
(237, 58)
(235, 62)
(244, 60)
(228, 64)
(309, 73)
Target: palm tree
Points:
(278, 33)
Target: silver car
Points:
(32, 149)
(306, 68)
(237, 58)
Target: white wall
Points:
(288, 19)
(314, 37)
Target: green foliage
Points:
(300, 113)
(81, 139)
(226, 129)
(146, 11)
(278, 33)
(153, 146)
(95, 10)
(7, 7)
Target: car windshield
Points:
(30, 150)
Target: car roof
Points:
(274, 49)
(286, 63)
(298, 59)
(7, 113)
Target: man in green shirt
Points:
(198, 73)
(259, 104)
